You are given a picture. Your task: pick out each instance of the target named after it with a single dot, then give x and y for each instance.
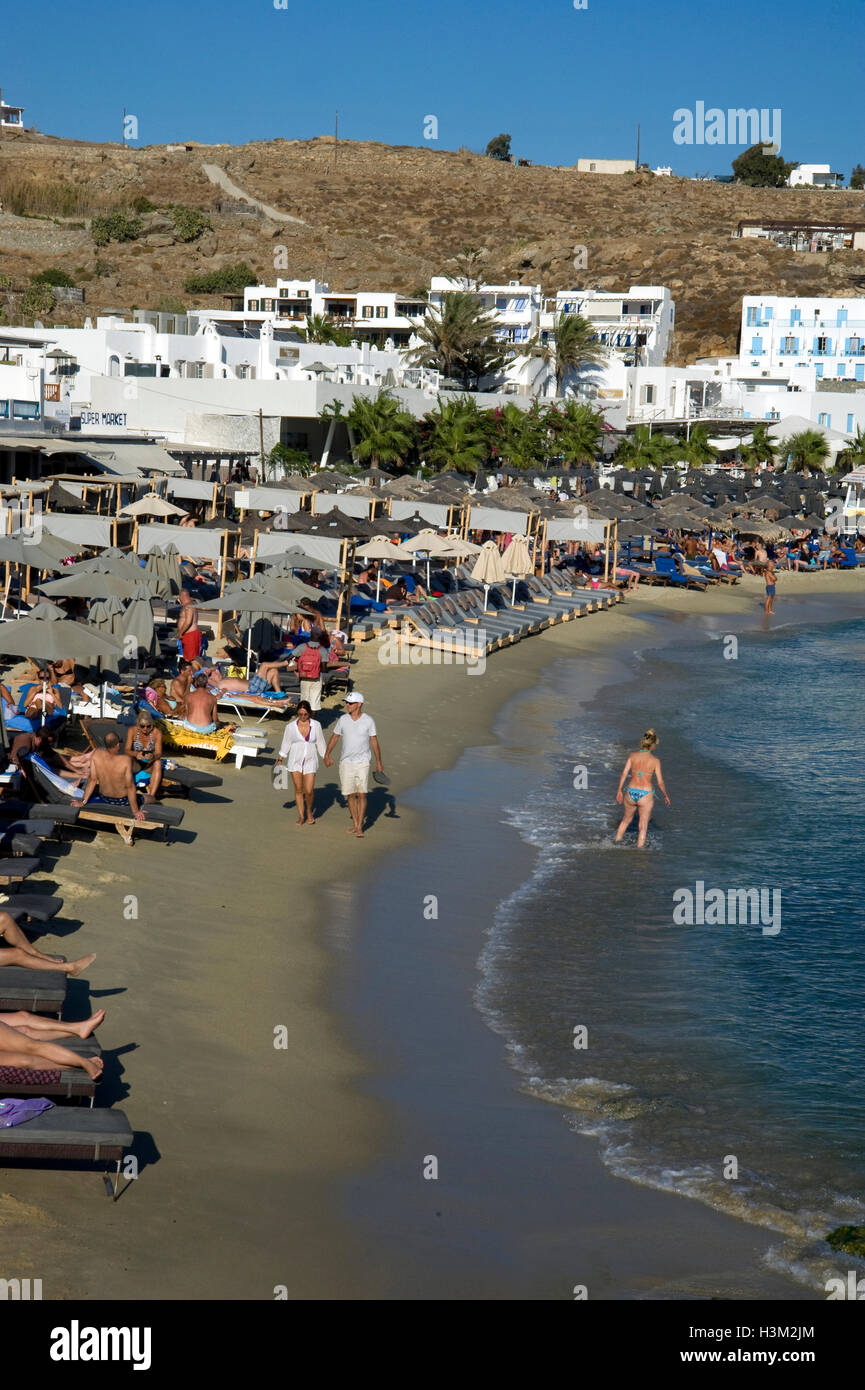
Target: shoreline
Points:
(243, 1144)
(740, 1245)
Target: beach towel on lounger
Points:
(55, 779)
(18, 1112)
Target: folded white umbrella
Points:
(517, 561)
(489, 568)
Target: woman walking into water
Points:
(639, 798)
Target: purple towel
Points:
(18, 1112)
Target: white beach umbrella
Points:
(151, 504)
(427, 542)
(489, 568)
(517, 561)
(380, 548)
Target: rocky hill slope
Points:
(374, 216)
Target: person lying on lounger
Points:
(50, 1029)
(44, 697)
(250, 689)
(21, 1049)
(112, 781)
(18, 950)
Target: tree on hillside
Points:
(759, 170)
(805, 452)
(499, 147)
(857, 178)
(571, 344)
(468, 266)
(384, 432)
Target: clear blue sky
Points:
(563, 82)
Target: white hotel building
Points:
(826, 335)
(381, 317)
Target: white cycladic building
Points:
(825, 334)
(814, 176)
(606, 166)
(11, 116)
(377, 316)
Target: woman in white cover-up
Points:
(302, 746)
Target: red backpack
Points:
(309, 664)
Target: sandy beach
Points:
(245, 1148)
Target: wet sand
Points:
(244, 1147)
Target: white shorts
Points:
(311, 690)
(353, 777)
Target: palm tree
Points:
(457, 338)
(320, 328)
(578, 429)
(762, 448)
(642, 449)
(805, 452)
(697, 449)
(571, 344)
(455, 435)
(854, 455)
(385, 433)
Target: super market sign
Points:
(113, 418)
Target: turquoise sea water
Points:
(722, 1062)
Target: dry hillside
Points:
(379, 217)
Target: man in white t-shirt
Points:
(359, 742)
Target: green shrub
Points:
(53, 276)
(5, 282)
(115, 226)
(170, 306)
(37, 302)
(142, 204)
(189, 223)
(230, 279)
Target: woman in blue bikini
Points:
(639, 798)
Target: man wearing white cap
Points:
(359, 741)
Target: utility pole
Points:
(335, 137)
(638, 146)
(123, 128)
(261, 440)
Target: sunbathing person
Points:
(180, 688)
(18, 950)
(238, 685)
(144, 747)
(18, 1049)
(44, 697)
(201, 706)
(111, 781)
(50, 1029)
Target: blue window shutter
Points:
(842, 317)
(860, 371)
(796, 345)
(846, 347)
(819, 369)
(756, 345)
(795, 316)
(828, 347)
(849, 424)
(767, 316)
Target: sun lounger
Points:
(16, 842)
(67, 1083)
(666, 566)
(44, 782)
(58, 815)
(71, 1132)
(16, 870)
(241, 704)
(186, 778)
(40, 907)
(34, 991)
(225, 742)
